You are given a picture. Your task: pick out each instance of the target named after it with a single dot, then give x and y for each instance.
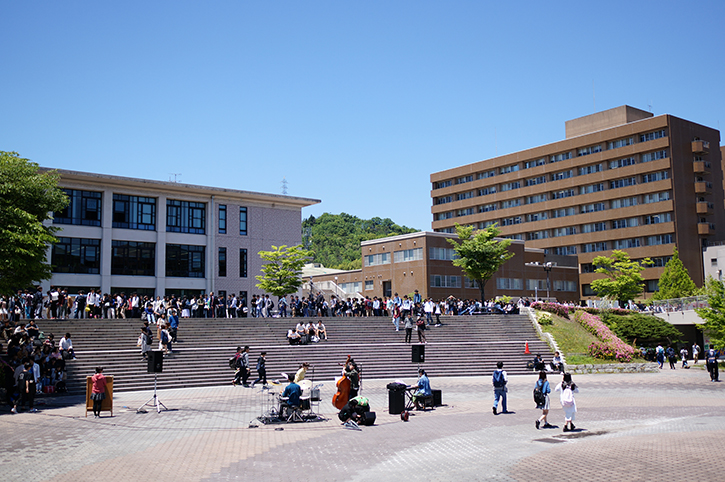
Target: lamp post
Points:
(547, 268)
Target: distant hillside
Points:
(335, 238)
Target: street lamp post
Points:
(547, 268)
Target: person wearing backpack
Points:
(541, 398)
(500, 379)
(567, 389)
(711, 357)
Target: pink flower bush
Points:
(555, 308)
(610, 346)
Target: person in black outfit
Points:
(539, 363)
(671, 357)
(261, 369)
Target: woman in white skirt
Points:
(567, 389)
(543, 383)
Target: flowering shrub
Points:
(611, 346)
(614, 311)
(556, 308)
(544, 318)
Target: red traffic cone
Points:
(526, 351)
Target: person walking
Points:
(671, 357)
(408, 329)
(500, 379)
(542, 389)
(420, 323)
(98, 391)
(711, 356)
(683, 354)
(695, 353)
(261, 369)
(567, 389)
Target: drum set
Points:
(275, 409)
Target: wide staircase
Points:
(463, 346)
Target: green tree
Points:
(27, 198)
(623, 280)
(479, 253)
(714, 315)
(335, 238)
(282, 272)
(675, 281)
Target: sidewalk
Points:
(633, 427)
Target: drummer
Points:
(291, 396)
(300, 375)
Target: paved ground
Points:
(629, 427)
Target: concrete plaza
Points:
(633, 427)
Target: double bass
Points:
(342, 396)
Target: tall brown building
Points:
(622, 179)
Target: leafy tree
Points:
(479, 253)
(645, 329)
(675, 281)
(27, 198)
(335, 238)
(714, 315)
(282, 272)
(623, 280)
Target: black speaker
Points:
(437, 398)
(156, 361)
(368, 418)
(418, 353)
(396, 401)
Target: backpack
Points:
(567, 397)
(498, 380)
(233, 362)
(539, 397)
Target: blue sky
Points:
(353, 103)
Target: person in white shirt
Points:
(66, 347)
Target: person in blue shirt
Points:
(424, 390)
(173, 325)
(500, 379)
(543, 383)
(292, 394)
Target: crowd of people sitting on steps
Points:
(33, 362)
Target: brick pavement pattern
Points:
(629, 427)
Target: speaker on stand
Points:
(155, 366)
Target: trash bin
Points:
(396, 398)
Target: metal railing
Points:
(680, 304)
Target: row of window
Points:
(600, 226)
(622, 244)
(556, 213)
(401, 256)
(138, 212)
(583, 151)
(133, 258)
(657, 262)
(650, 286)
(587, 189)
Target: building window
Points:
(558, 176)
(563, 285)
(445, 281)
(565, 250)
(534, 163)
(592, 208)
(626, 243)
(563, 212)
(243, 221)
(185, 217)
(598, 187)
(655, 176)
(464, 195)
(487, 190)
(659, 261)
(587, 268)
(415, 254)
(222, 262)
(535, 180)
(511, 221)
(658, 218)
(652, 285)
(650, 136)
(445, 254)
(465, 212)
(659, 239)
(511, 203)
(624, 202)
(443, 216)
(133, 258)
(242, 263)
(486, 175)
(585, 151)
(587, 290)
(628, 141)
(656, 197)
(442, 200)
(563, 194)
(510, 186)
(442, 184)
(134, 212)
(625, 223)
(511, 168)
(488, 207)
(377, 259)
(593, 227)
(628, 161)
(594, 247)
(627, 181)
(509, 283)
(560, 157)
(536, 284)
(537, 235)
(713, 262)
(222, 219)
(583, 171)
(76, 255)
(185, 261)
(84, 208)
(369, 285)
(567, 231)
(482, 225)
(464, 179)
(353, 287)
(530, 218)
(653, 156)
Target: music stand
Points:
(157, 403)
